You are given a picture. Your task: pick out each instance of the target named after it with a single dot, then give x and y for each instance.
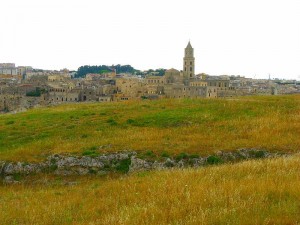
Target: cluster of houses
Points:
(24, 87)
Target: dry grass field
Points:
(251, 192)
(193, 126)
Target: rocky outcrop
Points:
(70, 165)
(183, 161)
(123, 162)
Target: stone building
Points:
(130, 88)
(59, 77)
(173, 76)
(9, 102)
(183, 91)
(60, 94)
(11, 69)
(96, 76)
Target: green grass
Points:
(174, 126)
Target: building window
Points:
(191, 69)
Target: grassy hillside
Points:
(173, 126)
(252, 192)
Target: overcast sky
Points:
(241, 37)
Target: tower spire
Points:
(189, 45)
(189, 61)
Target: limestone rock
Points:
(139, 164)
(169, 163)
(102, 164)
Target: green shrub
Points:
(53, 167)
(181, 156)
(123, 165)
(130, 121)
(211, 160)
(112, 122)
(10, 122)
(92, 171)
(53, 161)
(36, 93)
(90, 152)
(258, 154)
(165, 154)
(194, 156)
(150, 154)
(17, 176)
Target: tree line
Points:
(84, 70)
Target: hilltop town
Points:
(24, 87)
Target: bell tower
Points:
(189, 61)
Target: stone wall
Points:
(123, 162)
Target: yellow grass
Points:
(194, 126)
(252, 192)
